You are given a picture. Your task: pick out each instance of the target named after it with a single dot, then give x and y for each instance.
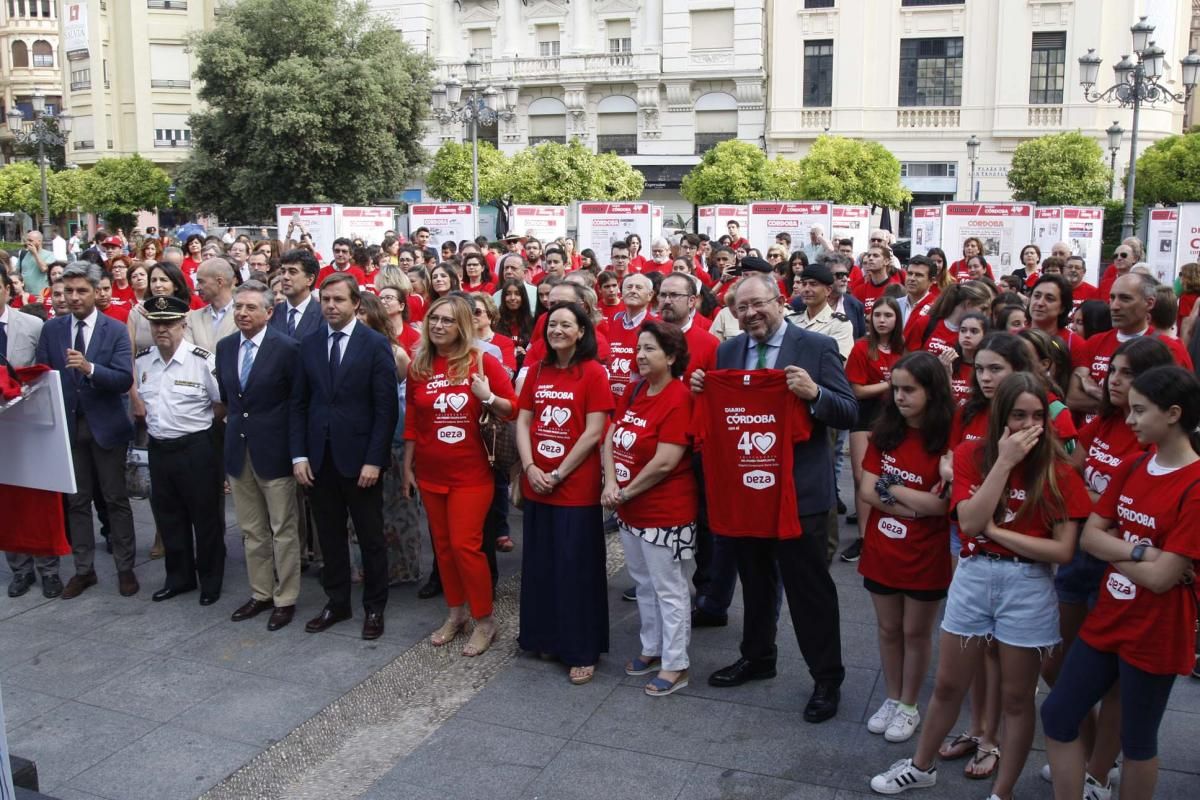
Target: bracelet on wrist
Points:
(526, 467)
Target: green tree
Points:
(552, 174)
(450, 176)
(68, 190)
(1059, 169)
(20, 187)
(614, 179)
(1169, 171)
(842, 170)
(784, 180)
(307, 100)
(120, 187)
(731, 172)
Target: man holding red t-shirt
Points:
(1130, 301)
(815, 375)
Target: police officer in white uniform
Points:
(178, 383)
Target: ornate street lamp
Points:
(40, 132)
(972, 154)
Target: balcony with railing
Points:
(540, 139)
(707, 141)
(157, 83)
(83, 144)
(172, 142)
(928, 117)
(590, 67)
(167, 5)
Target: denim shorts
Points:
(955, 540)
(1009, 601)
(1078, 582)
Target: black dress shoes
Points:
(280, 617)
(167, 592)
(21, 584)
(52, 586)
(373, 625)
(823, 704)
(707, 619)
(741, 671)
(432, 587)
(252, 608)
(326, 620)
(208, 598)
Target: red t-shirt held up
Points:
(560, 400)
(641, 423)
(968, 478)
(442, 417)
(746, 423)
(906, 553)
(1153, 632)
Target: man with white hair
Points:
(660, 257)
(817, 245)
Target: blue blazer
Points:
(257, 418)
(353, 416)
(835, 407)
(99, 395)
(308, 323)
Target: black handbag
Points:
(499, 439)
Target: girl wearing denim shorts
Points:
(904, 563)
(1017, 498)
(1140, 633)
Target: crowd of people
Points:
(1023, 447)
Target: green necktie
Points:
(761, 347)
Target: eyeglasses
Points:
(671, 297)
(773, 256)
(841, 275)
(479, 312)
(754, 305)
(1122, 255)
(440, 322)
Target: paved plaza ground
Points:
(131, 700)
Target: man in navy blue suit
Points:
(92, 354)
(814, 374)
(299, 313)
(256, 368)
(344, 412)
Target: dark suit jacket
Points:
(354, 416)
(308, 323)
(257, 418)
(835, 407)
(98, 395)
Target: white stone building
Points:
(30, 61)
(656, 81)
(922, 76)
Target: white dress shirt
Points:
(258, 340)
(89, 327)
(180, 393)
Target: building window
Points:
(712, 29)
(1047, 68)
(167, 5)
(43, 54)
(928, 169)
(547, 121)
(81, 78)
(481, 43)
(931, 2)
(931, 72)
(818, 74)
(548, 41)
(818, 3)
(172, 137)
(169, 67)
(616, 126)
(619, 35)
(20, 54)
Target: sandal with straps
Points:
(642, 665)
(966, 743)
(661, 687)
(981, 755)
(447, 633)
(581, 675)
(480, 641)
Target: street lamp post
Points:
(39, 133)
(972, 154)
(1137, 84)
(480, 106)
(1115, 132)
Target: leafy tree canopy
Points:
(307, 100)
(731, 172)
(20, 187)
(1169, 171)
(123, 186)
(450, 176)
(1059, 169)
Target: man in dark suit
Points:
(344, 412)
(91, 352)
(814, 374)
(299, 313)
(256, 368)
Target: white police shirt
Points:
(179, 394)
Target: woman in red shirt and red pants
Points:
(449, 383)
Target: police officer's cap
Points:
(165, 308)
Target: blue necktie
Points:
(4, 339)
(292, 322)
(247, 361)
(335, 355)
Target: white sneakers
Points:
(1092, 790)
(881, 719)
(903, 775)
(896, 724)
(902, 726)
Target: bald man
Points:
(208, 325)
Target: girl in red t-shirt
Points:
(971, 247)
(564, 407)
(939, 331)
(904, 562)
(869, 370)
(960, 362)
(477, 277)
(1140, 633)
(648, 479)
(1016, 496)
(449, 383)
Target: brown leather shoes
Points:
(373, 625)
(127, 583)
(280, 617)
(251, 609)
(77, 585)
(326, 620)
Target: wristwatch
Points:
(488, 402)
(554, 476)
(1138, 552)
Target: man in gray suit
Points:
(209, 325)
(19, 333)
(814, 374)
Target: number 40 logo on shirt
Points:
(762, 442)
